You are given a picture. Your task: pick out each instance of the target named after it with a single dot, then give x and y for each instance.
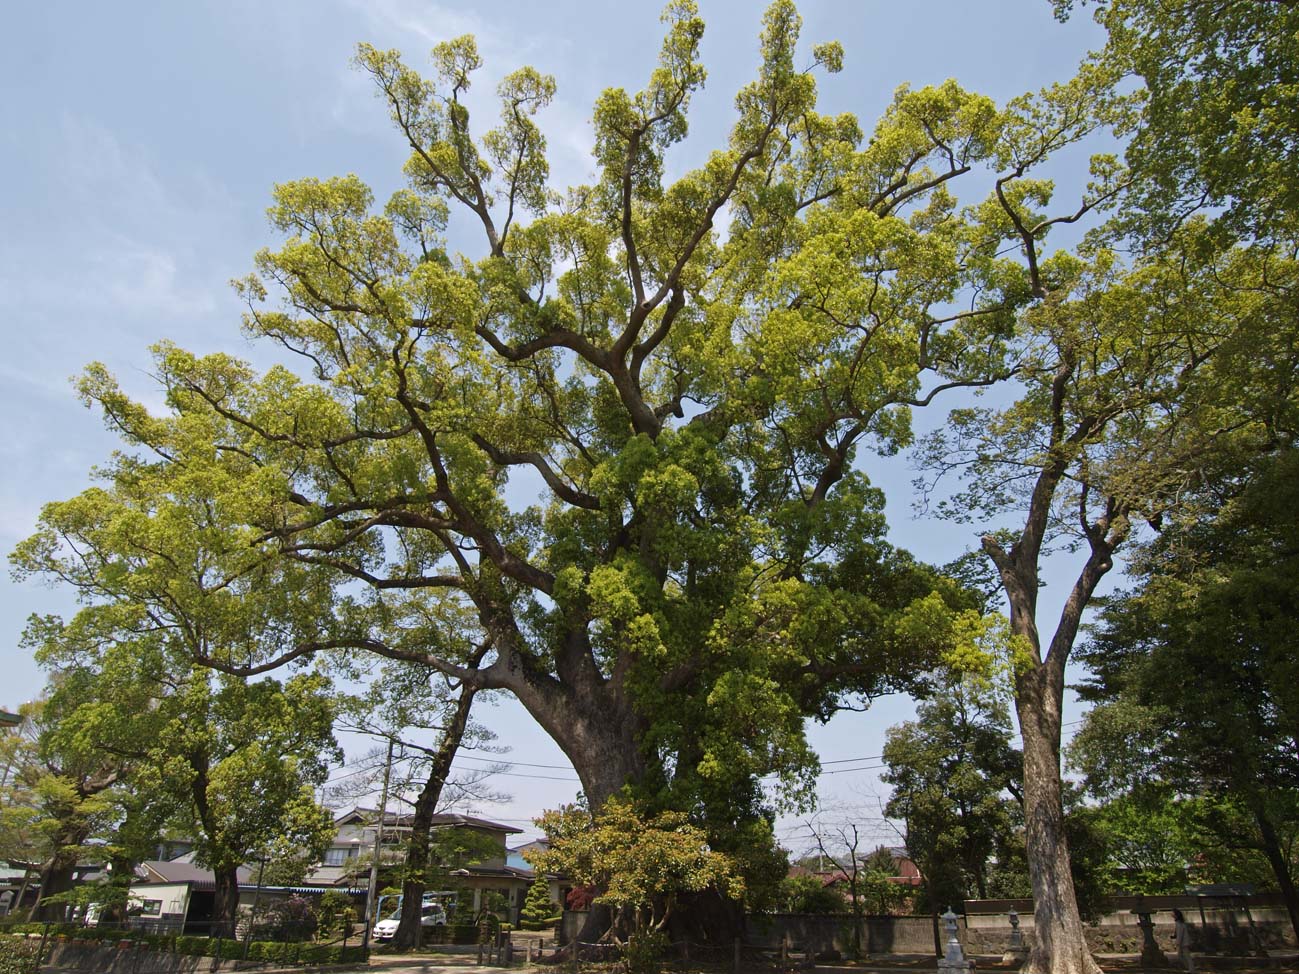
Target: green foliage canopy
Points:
(704, 567)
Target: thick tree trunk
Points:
(56, 878)
(592, 722)
(410, 929)
(1059, 946)
(225, 901)
(589, 716)
(606, 757)
(706, 918)
(59, 871)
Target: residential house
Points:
(168, 895)
(559, 886)
(177, 894)
(904, 873)
(346, 862)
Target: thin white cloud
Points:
(109, 178)
(430, 23)
(144, 280)
(125, 238)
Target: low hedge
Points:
(223, 949)
(271, 952)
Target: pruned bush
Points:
(18, 955)
(286, 921)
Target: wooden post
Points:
(737, 955)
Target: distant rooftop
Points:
(440, 820)
(162, 871)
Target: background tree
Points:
(1220, 110)
(1150, 842)
(230, 762)
(808, 893)
(955, 779)
(62, 796)
(538, 911)
(406, 698)
(882, 893)
(19, 836)
(838, 846)
(1133, 381)
(1200, 659)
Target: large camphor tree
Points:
(682, 374)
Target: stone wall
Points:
(817, 934)
(110, 958)
(1218, 925)
(1240, 926)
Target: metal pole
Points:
(373, 889)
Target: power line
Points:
(537, 777)
(562, 767)
(516, 764)
(867, 767)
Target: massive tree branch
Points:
(507, 458)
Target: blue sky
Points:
(139, 143)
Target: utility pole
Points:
(373, 892)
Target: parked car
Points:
(432, 915)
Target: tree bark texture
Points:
(56, 878)
(1060, 946)
(225, 901)
(596, 728)
(59, 871)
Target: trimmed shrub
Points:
(290, 921)
(18, 955)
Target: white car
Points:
(431, 916)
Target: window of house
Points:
(151, 908)
(338, 855)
